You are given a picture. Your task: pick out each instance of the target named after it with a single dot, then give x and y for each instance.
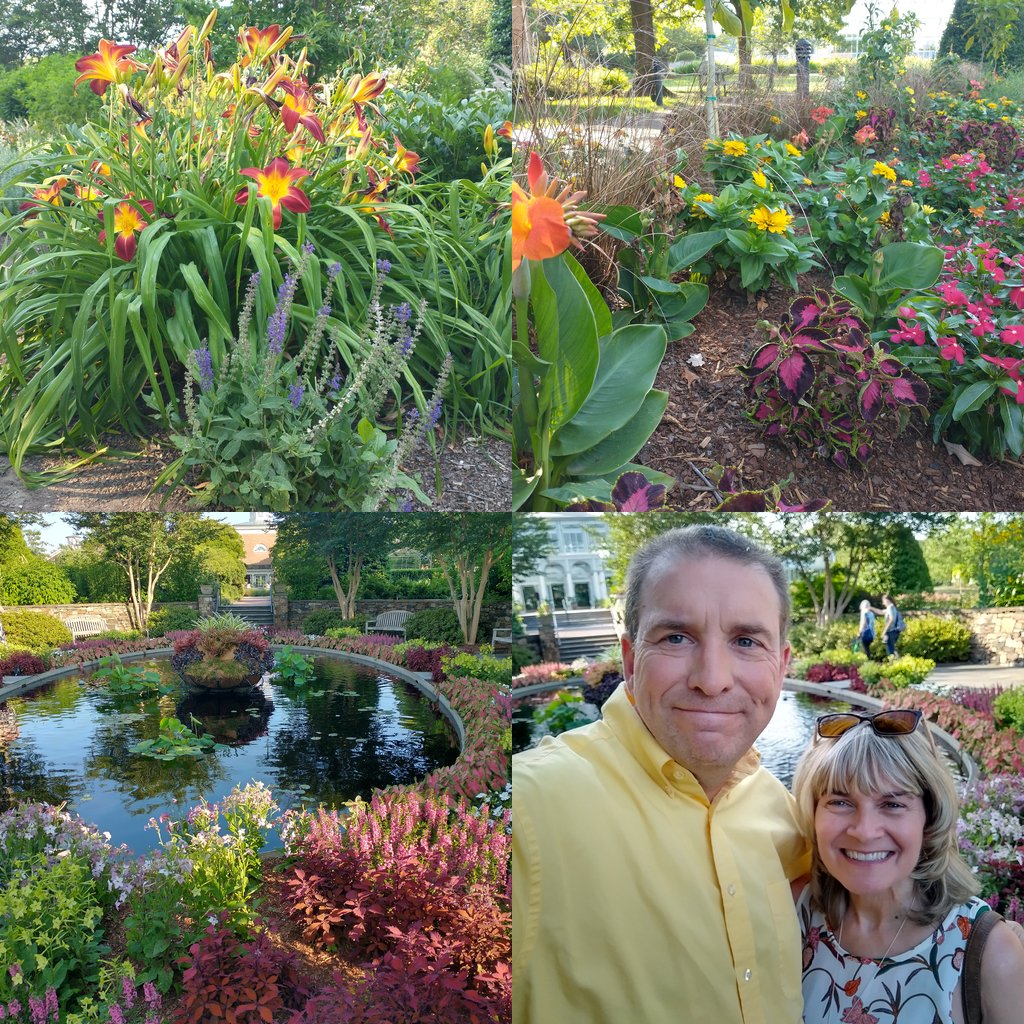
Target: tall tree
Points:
(347, 541)
(142, 545)
(465, 546)
(35, 28)
(896, 565)
(531, 541)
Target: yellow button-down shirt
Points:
(635, 900)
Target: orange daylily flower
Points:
(105, 66)
(261, 44)
(98, 167)
(46, 195)
(297, 108)
(405, 159)
(360, 89)
(546, 222)
(128, 222)
(277, 183)
(87, 193)
(505, 131)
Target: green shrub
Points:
(448, 137)
(49, 926)
(167, 620)
(840, 633)
(807, 638)
(832, 656)
(473, 666)
(118, 634)
(942, 640)
(563, 81)
(34, 631)
(317, 623)
(42, 93)
(36, 582)
(341, 632)
(901, 672)
(441, 625)
(521, 656)
(1008, 709)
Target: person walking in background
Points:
(866, 629)
(893, 625)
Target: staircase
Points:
(256, 610)
(584, 633)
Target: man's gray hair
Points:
(702, 542)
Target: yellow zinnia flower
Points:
(792, 150)
(860, 113)
(779, 222)
(807, 181)
(775, 120)
(883, 171)
(906, 181)
(885, 217)
(734, 147)
(926, 209)
(861, 95)
(696, 209)
(761, 218)
(759, 179)
(678, 182)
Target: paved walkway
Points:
(977, 675)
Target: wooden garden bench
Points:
(501, 636)
(388, 622)
(85, 625)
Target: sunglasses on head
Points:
(899, 722)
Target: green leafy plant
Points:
(168, 620)
(1008, 709)
(895, 269)
(901, 672)
(130, 680)
(647, 266)
(565, 712)
(292, 667)
(479, 666)
(283, 433)
(174, 740)
(34, 631)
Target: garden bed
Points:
(705, 423)
(474, 477)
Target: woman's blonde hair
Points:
(862, 761)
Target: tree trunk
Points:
(743, 47)
(520, 35)
(641, 16)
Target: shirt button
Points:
(747, 974)
(731, 890)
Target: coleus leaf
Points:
(890, 367)
(805, 312)
(633, 492)
(910, 391)
(870, 400)
(816, 505)
(764, 357)
(809, 340)
(796, 375)
(745, 501)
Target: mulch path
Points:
(705, 423)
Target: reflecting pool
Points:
(349, 730)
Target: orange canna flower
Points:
(261, 44)
(128, 222)
(276, 182)
(297, 108)
(404, 159)
(546, 222)
(105, 66)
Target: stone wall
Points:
(997, 634)
(116, 616)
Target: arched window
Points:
(260, 549)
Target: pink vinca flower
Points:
(1012, 335)
(952, 352)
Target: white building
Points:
(573, 575)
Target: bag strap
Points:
(970, 989)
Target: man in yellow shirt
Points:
(651, 854)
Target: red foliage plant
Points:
(237, 982)
(826, 672)
(22, 663)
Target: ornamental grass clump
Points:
(283, 430)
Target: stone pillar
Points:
(207, 601)
(279, 599)
(803, 68)
(548, 641)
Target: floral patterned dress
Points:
(914, 987)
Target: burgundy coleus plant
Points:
(738, 498)
(821, 379)
(632, 492)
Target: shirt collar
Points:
(625, 721)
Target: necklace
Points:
(878, 969)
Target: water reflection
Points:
(343, 734)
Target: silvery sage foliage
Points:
(279, 430)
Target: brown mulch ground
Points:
(705, 423)
(472, 475)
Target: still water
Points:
(781, 744)
(347, 731)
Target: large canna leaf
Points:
(621, 446)
(629, 362)
(910, 265)
(566, 338)
(691, 248)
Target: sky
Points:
(55, 531)
(933, 14)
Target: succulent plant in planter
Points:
(223, 652)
